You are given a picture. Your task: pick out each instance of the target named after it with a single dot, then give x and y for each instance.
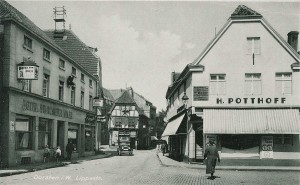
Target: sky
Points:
(140, 43)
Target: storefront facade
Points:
(50, 109)
(245, 95)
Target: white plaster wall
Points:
(229, 56)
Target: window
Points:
(61, 91)
(27, 42)
(61, 64)
(253, 83)
(73, 95)
(283, 139)
(26, 85)
(46, 54)
(23, 132)
(82, 77)
(253, 45)
(73, 71)
(217, 84)
(82, 99)
(72, 137)
(283, 83)
(90, 102)
(44, 133)
(46, 85)
(91, 83)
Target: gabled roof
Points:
(245, 14)
(78, 50)
(107, 94)
(125, 98)
(10, 13)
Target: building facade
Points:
(147, 112)
(245, 94)
(55, 108)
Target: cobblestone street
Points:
(145, 168)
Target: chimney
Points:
(293, 39)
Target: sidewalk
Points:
(166, 161)
(41, 166)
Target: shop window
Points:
(61, 91)
(283, 83)
(82, 99)
(253, 83)
(73, 137)
(283, 139)
(62, 64)
(23, 132)
(44, 134)
(46, 85)
(73, 95)
(89, 141)
(27, 42)
(46, 54)
(253, 45)
(217, 84)
(26, 85)
(239, 142)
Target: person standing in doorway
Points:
(58, 154)
(212, 155)
(69, 149)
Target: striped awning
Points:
(173, 126)
(251, 121)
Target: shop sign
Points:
(133, 134)
(28, 72)
(98, 102)
(41, 108)
(247, 101)
(201, 93)
(266, 147)
(90, 119)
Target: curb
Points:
(54, 166)
(231, 168)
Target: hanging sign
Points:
(28, 72)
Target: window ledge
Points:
(62, 68)
(46, 59)
(27, 48)
(82, 81)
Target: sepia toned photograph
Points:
(149, 92)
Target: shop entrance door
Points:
(60, 136)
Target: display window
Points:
(44, 133)
(23, 132)
(73, 137)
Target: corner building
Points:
(51, 110)
(243, 91)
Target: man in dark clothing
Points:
(69, 149)
(211, 153)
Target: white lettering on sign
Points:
(250, 100)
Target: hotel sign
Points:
(41, 108)
(28, 72)
(247, 101)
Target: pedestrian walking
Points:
(163, 148)
(58, 154)
(46, 155)
(212, 155)
(69, 149)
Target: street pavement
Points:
(146, 167)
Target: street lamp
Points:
(185, 100)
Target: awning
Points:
(251, 121)
(173, 126)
